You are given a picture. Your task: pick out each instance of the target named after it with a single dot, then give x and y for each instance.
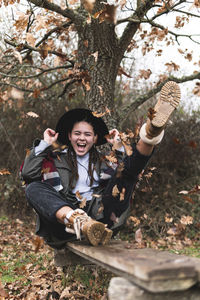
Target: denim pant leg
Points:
(46, 201)
(114, 208)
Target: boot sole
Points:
(106, 236)
(169, 99)
(95, 233)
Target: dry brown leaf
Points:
(122, 194)
(4, 172)
(138, 236)
(122, 72)
(120, 168)
(128, 149)
(88, 5)
(28, 151)
(107, 14)
(78, 195)
(111, 157)
(16, 94)
(186, 220)
(151, 113)
(172, 67)
(38, 242)
(95, 54)
(115, 191)
(168, 219)
(30, 39)
(135, 220)
(145, 74)
(83, 203)
(100, 210)
(100, 90)
(32, 114)
(96, 195)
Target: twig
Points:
(9, 140)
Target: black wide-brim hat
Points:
(66, 123)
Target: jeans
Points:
(46, 201)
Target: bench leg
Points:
(122, 289)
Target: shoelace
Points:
(78, 224)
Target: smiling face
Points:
(82, 137)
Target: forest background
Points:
(114, 58)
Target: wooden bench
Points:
(145, 274)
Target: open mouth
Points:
(81, 146)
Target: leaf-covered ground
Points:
(27, 270)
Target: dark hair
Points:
(94, 158)
(67, 121)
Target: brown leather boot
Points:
(169, 99)
(95, 232)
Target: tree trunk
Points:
(98, 55)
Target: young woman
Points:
(75, 191)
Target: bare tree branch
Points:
(132, 26)
(26, 46)
(68, 13)
(35, 75)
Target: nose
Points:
(81, 137)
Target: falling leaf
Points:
(85, 43)
(100, 90)
(138, 236)
(18, 56)
(95, 54)
(28, 152)
(120, 168)
(30, 39)
(36, 93)
(172, 67)
(151, 113)
(114, 218)
(128, 149)
(192, 144)
(3, 294)
(78, 195)
(111, 157)
(122, 72)
(16, 94)
(135, 220)
(4, 172)
(122, 194)
(115, 191)
(100, 210)
(186, 220)
(188, 199)
(168, 219)
(83, 203)
(108, 14)
(96, 195)
(38, 242)
(32, 114)
(145, 74)
(88, 5)
(86, 84)
(183, 192)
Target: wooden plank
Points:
(154, 270)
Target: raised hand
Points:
(50, 136)
(114, 139)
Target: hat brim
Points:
(66, 123)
